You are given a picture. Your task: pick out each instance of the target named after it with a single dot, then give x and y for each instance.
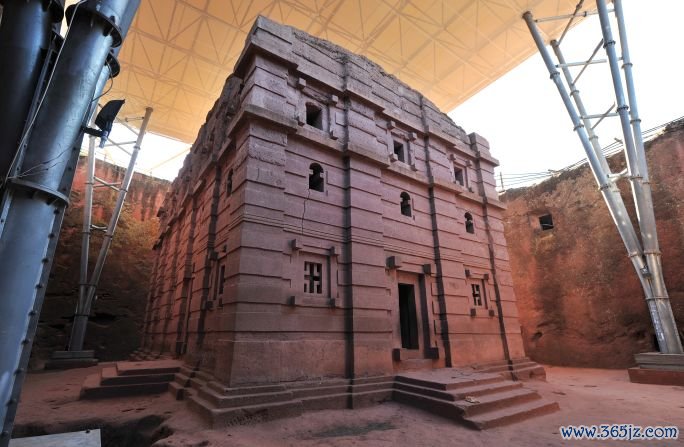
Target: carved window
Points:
(229, 182)
(546, 222)
(405, 204)
(400, 151)
(470, 226)
(313, 278)
(479, 298)
(316, 181)
(314, 116)
(222, 279)
(459, 176)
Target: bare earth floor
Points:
(586, 396)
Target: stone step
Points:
(433, 405)
(476, 379)
(460, 393)
(241, 400)
(302, 393)
(376, 379)
(197, 383)
(230, 391)
(92, 389)
(181, 379)
(533, 372)
(204, 376)
(177, 390)
(487, 388)
(512, 414)
(147, 367)
(339, 401)
(109, 377)
(497, 401)
(370, 398)
(226, 417)
(425, 391)
(373, 386)
(190, 372)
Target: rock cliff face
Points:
(114, 328)
(579, 298)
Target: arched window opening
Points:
(470, 226)
(316, 181)
(229, 182)
(314, 116)
(405, 204)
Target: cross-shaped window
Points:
(477, 296)
(313, 278)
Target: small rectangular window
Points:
(222, 279)
(399, 151)
(546, 222)
(313, 278)
(314, 116)
(459, 176)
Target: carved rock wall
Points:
(579, 298)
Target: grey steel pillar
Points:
(87, 227)
(41, 186)
(83, 309)
(668, 336)
(25, 32)
(646, 258)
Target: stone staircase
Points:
(187, 382)
(142, 354)
(223, 406)
(517, 369)
(130, 378)
(476, 399)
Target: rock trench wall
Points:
(579, 298)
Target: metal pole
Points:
(110, 70)
(40, 190)
(25, 32)
(81, 318)
(611, 196)
(87, 221)
(668, 337)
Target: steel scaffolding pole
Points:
(668, 339)
(39, 190)
(86, 301)
(646, 258)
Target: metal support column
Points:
(638, 175)
(39, 190)
(644, 254)
(89, 286)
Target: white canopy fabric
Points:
(178, 53)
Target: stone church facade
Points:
(330, 222)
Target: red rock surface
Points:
(586, 396)
(114, 329)
(579, 299)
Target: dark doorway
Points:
(407, 317)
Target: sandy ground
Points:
(586, 396)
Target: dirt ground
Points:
(586, 396)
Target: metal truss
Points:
(88, 284)
(643, 251)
